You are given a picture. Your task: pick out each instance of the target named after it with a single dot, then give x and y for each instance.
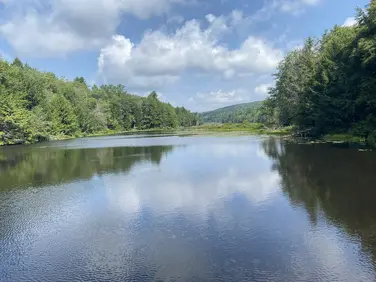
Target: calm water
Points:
(174, 208)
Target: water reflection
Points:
(332, 182)
(31, 166)
(194, 180)
(194, 209)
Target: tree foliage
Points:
(250, 112)
(36, 106)
(329, 85)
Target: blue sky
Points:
(202, 54)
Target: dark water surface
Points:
(173, 208)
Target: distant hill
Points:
(236, 113)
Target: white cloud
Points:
(263, 89)
(217, 99)
(42, 28)
(40, 37)
(295, 7)
(161, 58)
(351, 21)
(222, 97)
(58, 27)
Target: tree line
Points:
(239, 113)
(36, 106)
(329, 85)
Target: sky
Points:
(201, 54)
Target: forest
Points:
(37, 106)
(329, 85)
(239, 113)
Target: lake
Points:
(187, 208)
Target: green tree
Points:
(329, 86)
(36, 106)
(15, 127)
(64, 121)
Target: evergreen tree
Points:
(329, 86)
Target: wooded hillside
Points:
(329, 85)
(36, 106)
(234, 114)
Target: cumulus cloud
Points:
(351, 21)
(161, 58)
(216, 99)
(58, 27)
(44, 28)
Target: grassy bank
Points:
(249, 128)
(243, 128)
(261, 129)
(111, 132)
(246, 128)
(344, 138)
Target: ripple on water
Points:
(187, 209)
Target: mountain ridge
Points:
(235, 113)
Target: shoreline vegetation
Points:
(219, 129)
(245, 128)
(38, 106)
(326, 89)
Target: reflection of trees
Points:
(339, 182)
(32, 166)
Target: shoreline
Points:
(251, 129)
